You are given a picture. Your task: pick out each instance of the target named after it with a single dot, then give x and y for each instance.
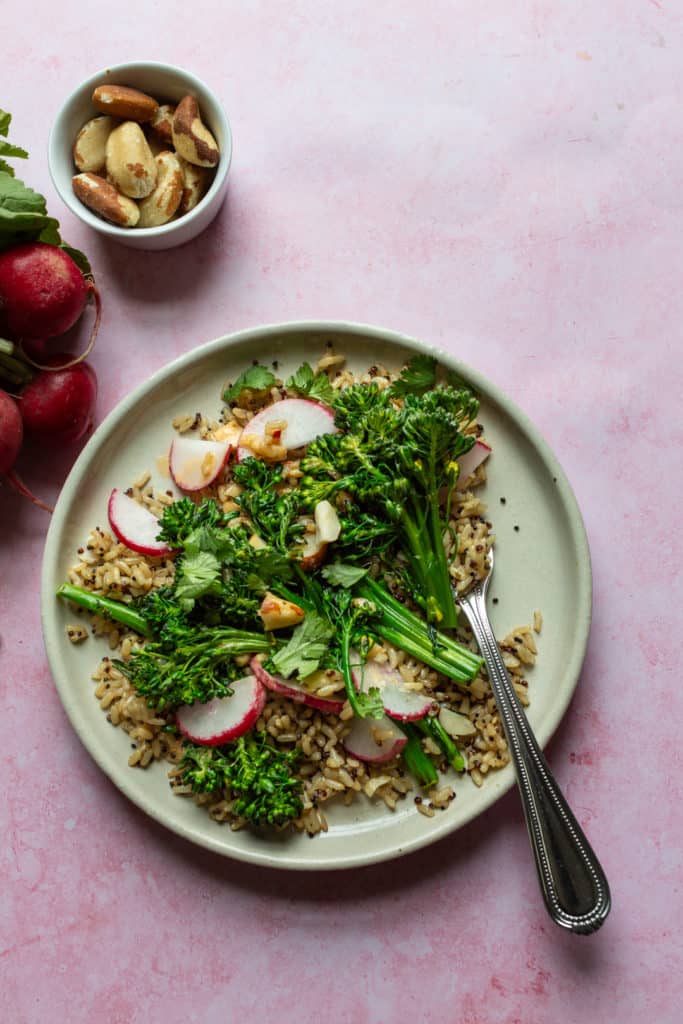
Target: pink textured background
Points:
(502, 180)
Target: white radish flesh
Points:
(195, 464)
(134, 525)
(399, 701)
(224, 718)
(374, 740)
(304, 421)
(471, 461)
(296, 691)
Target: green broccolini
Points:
(272, 510)
(184, 662)
(259, 777)
(220, 575)
(395, 458)
(197, 665)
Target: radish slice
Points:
(134, 525)
(305, 420)
(399, 702)
(471, 460)
(374, 740)
(295, 691)
(223, 718)
(195, 464)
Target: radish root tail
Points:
(92, 290)
(19, 486)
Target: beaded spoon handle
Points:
(574, 886)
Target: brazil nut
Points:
(158, 207)
(196, 182)
(161, 125)
(91, 142)
(125, 103)
(191, 138)
(130, 165)
(102, 198)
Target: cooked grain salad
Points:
(280, 624)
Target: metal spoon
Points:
(574, 886)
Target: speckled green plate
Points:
(549, 549)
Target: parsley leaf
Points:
(417, 377)
(340, 575)
(254, 378)
(312, 385)
(198, 574)
(306, 648)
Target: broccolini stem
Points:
(106, 606)
(418, 763)
(430, 566)
(408, 632)
(432, 727)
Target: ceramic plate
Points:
(542, 561)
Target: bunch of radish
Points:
(46, 394)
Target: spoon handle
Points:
(574, 886)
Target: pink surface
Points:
(502, 180)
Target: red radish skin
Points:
(11, 432)
(11, 438)
(194, 464)
(399, 702)
(58, 405)
(295, 691)
(305, 421)
(43, 293)
(135, 526)
(224, 718)
(362, 742)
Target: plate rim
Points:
(505, 779)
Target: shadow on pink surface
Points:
(171, 276)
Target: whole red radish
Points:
(11, 432)
(57, 406)
(11, 437)
(43, 293)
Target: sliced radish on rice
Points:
(134, 525)
(224, 718)
(471, 461)
(296, 690)
(303, 420)
(195, 464)
(400, 702)
(374, 740)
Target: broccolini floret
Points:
(196, 667)
(259, 777)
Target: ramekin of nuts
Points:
(140, 152)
